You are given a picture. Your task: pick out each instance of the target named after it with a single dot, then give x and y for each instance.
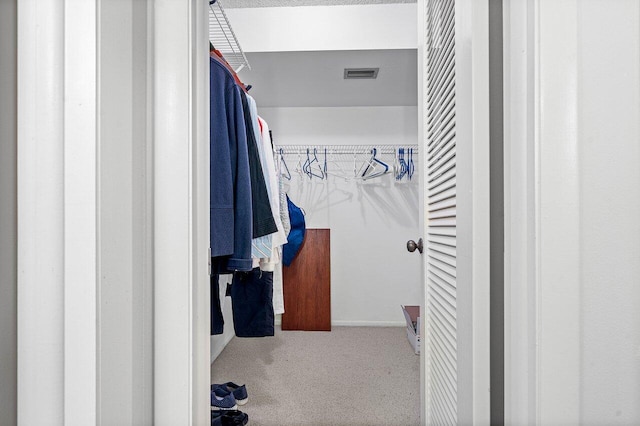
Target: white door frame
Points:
(542, 190)
(41, 292)
(181, 223)
(88, 251)
(473, 188)
(520, 198)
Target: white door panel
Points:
(454, 128)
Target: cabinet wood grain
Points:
(307, 285)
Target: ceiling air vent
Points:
(360, 73)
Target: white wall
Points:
(372, 272)
(309, 28)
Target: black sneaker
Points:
(229, 418)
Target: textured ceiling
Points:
(230, 4)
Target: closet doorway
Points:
(422, 98)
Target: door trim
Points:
(520, 298)
(181, 222)
(542, 194)
(66, 226)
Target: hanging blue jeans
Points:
(252, 303)
(217, 320)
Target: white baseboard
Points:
(216, 350)
(341, 323)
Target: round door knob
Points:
(412, 245)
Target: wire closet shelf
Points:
(345, 149)
(359, 162)
(223, 38)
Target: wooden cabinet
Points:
(307, 285)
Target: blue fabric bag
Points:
(296, 236)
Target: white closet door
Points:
(441, 310)
(455, 116)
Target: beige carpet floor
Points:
(351, 376)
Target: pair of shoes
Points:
(229, 418)
(220, 401)
(239, 392)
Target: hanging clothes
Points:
(273, 263)
(261, 247)
(217, 319)
(278, 286)
(247, 225)
(252, 306)
(222, 60)
(279, 238)
(284, 208)
(231, 210)
(273, 183)
(263, 222)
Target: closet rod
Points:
(223, 38)
(344, 149)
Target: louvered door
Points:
(441, 310)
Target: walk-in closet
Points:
(337, 88)
(499, 206)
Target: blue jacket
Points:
(230, 192)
